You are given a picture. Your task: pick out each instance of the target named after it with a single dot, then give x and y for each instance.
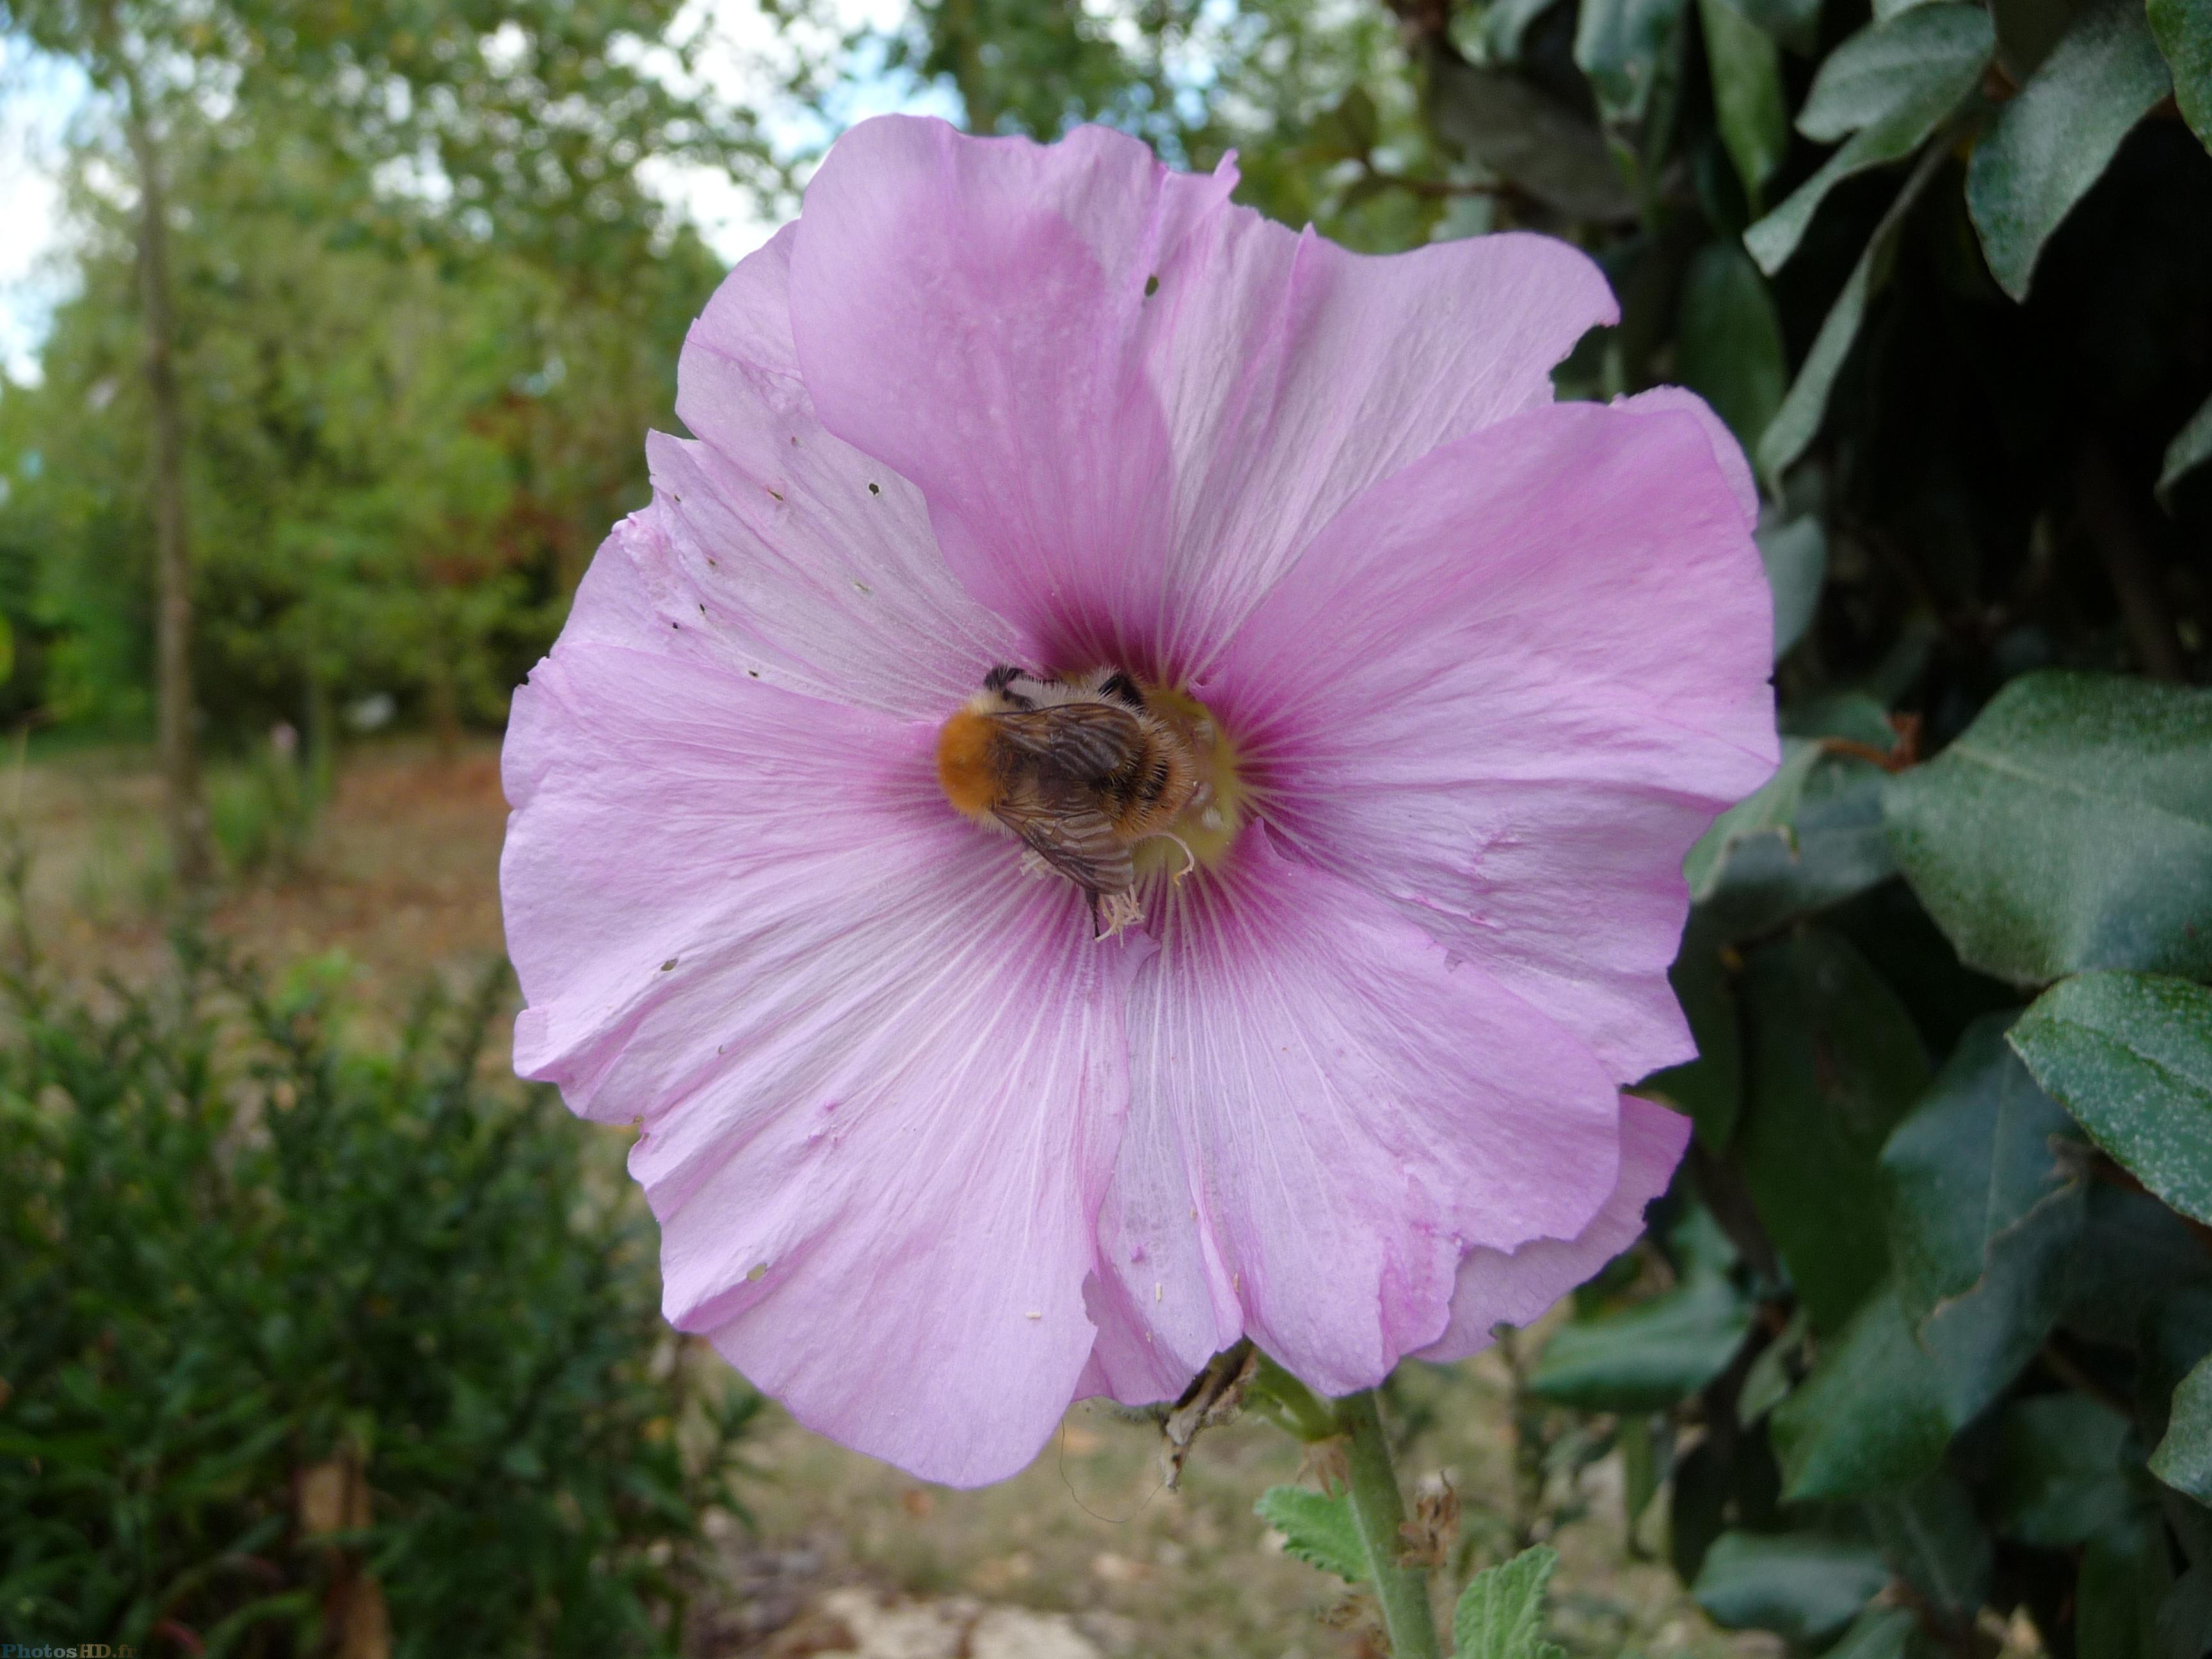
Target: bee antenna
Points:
(1003, 675)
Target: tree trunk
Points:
(183, 808)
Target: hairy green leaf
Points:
(1810, 837)
(2183, 31)
(1500, 1614)
(1796, 555)
(2047, 146)
(1888, 86)
(2070, 827)
(1318, 1530)
(1929, 54)
(1796, 423)
(1805, 1586)
(2184, 1457)
(2130, 1055)
(1974, 1180)
(2191, 449)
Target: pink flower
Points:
(931, 1161)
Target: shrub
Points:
(304, 1341)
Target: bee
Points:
(1082, 769)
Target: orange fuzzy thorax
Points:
(964, 769)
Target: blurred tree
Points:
(268, 157)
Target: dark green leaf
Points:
(1936, 1544)
(1501, 1612)
(2184, 1457)
(1888, 86)
(2070, 827)
(1833, 1064)
(1349, 128)
(2191, 449)
(1803, 1585)
(1873, 1415)
(1640, 1473)
(2137, 1259)
(1729, 348)
(1504, 23)
(2130, 1055)
(1878, 1633)
(2058, 1480)
(1697, 1508)
(1851, 715)
(1618, 45)
(1319, 1530)
(1973, 1177)
(1766, 1380)
(1748, 98)
(1648, 1357)
(2026, 31)
(1522, 133)
(1767, 811)
(1798, 420)
(1795, 23)
(1795, 553)
(2047, 146)
(1864, 81)
(1710, 1087)
(2183, 1629)
(2183, 29)
(1832, 848)
(2126, 1574)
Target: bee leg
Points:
(1097, 929)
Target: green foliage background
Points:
(1918, 1344)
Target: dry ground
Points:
(1081, 1556)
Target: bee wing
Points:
(1089, 741)
(1079, 843)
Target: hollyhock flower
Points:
(1473, 668)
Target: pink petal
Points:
(881, 1072)
(1129, 404)
(1499, 1287)
(1727, 451)
(1323, 1116)
(1507, 689)
(784, 552)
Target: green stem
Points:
(1292, 1405)
(1380, 1512)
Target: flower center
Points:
(1107, 780)
(1208, 823)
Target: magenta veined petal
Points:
(929, 1160)
(1516, 1287)
(1325, 1114)
(1130, 405)
(1508, 688)
(880, 1072)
